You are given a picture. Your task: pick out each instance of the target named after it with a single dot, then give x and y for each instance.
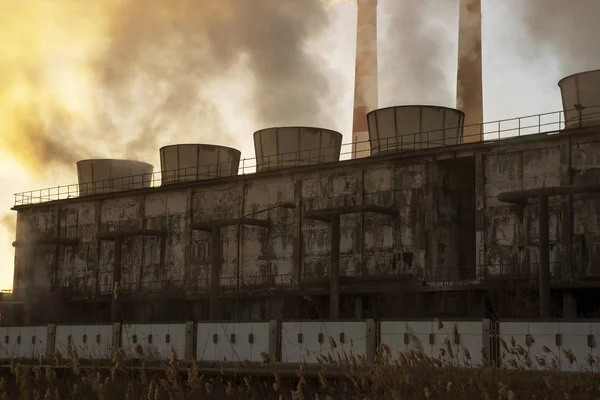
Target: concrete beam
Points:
(207, 226)
(325, 214)
(131, 233)
(521, 196)
(44, 242)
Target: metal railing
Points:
(490, 131)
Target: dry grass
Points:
(411, 375)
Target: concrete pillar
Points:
(116, 312)
(358, 307)
(569, 305)
(544, 257)
(334, 270)
(27, 311)
(216, 263)
(50, 341)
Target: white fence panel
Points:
(468, 347)
(547, 345)
(156, 340)
(23, 342)
(93, 342)
(232, 341)
(305, 341)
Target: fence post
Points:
(190, 340)
(372, 341)
(117, 336)
(50, 341)
(275, 340)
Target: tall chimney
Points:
(365, 85)
(469, 91)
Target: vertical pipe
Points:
(216, 258)
(469, 90)
(115, 311)
(365, 83)
(238, 260)
(544, 257)
(334, 270)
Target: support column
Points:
(334, 270)
(544, 257)
(216, 262)
(358, 307)
(116, 300)
(569, 305)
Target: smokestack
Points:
(469, 91)
(365, 86)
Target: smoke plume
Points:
(8, 222)
(566, 29)
(415, 57)
(115, 77)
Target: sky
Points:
(515, 84)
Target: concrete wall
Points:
(451, 225)
(508, 235)
(274, 256)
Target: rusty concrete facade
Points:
(452, 232)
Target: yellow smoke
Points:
(45, 75)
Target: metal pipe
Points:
(116, 301)
(334, 270)
(216, 261)
(544, 257)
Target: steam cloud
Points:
(415, 57)
(145, 69)
(8, 221)
(569, 30)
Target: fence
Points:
(496, 130)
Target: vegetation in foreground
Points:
(408, 376)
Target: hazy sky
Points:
(514, 85)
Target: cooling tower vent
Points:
(197, 162)
(108, 175)
(295, 146)
(402, 128)
(581, 99)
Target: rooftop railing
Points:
(490, 131)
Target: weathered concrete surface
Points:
(451, 224)
(510, 232)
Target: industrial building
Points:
(427, 225)
(436, 214)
